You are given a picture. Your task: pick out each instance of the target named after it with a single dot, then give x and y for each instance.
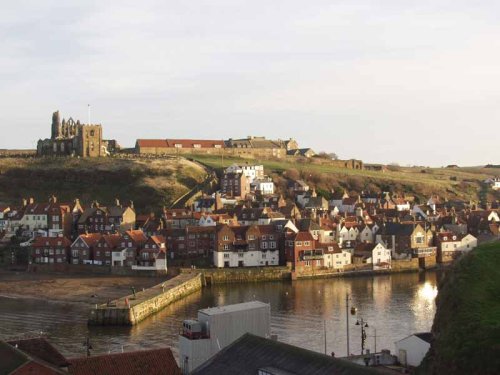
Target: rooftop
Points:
(234, 308)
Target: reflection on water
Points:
(395, 305)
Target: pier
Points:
(131, 309)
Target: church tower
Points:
(56, 125)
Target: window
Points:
(272, 245)
(307, 243)
(263, 256)
(298, 243)
(263, 245)
(251, 237)
(226, 247)
(107, 253)
(226, 256)
(98, 253)
(240, 255)
(226, 238)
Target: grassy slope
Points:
(150, 184)
(467, 322)
(411, 180)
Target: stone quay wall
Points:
(131, 309)
(243, 275)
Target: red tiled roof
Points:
(137, 235)
(91, 238)
(304, 236)
(150, 362)
(112, 240)
(52, 241)
(185, 143)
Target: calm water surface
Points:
(393, 305)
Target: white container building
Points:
(217, 327)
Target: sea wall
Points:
(131, 309)
(243, 275)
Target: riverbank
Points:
(88, 289)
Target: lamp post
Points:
(361, 322)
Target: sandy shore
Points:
(71, 288)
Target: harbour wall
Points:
(132, 309)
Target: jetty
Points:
(130, 310)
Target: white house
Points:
(336, 259)
(255, 258)
(207, 221)
(467, 243)
(381, 257)
(347, 234)
(263, 185)
(251, 172)
(366, 235)
(412, 349)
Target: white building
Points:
(412, 349)
(381, 257)
(337, 260)
(263, 185)
(252, 258)
(218, 327)
(251, 172)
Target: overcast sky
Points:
(414, 82)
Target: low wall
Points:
(244, 275)
(131, 310)
(405, 265)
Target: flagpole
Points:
(88, 109)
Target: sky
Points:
(412, 82)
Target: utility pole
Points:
(324, 330)
(375, 337)
(347, 320)
(361, 322)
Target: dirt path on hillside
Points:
(72, 288)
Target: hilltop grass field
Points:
(150, 184)
(460, 183)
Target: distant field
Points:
(465, 183)
(149, 183)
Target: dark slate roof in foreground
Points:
(426, 336)
(250, 353)
(40, 348)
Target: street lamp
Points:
(361, 322)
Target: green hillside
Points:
(467, 323)
(149, 183)
(463, 183)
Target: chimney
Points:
(131, 205)
(25, 202)
(53, 199)
(31, 200)
(117, 202)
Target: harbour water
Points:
(394, 306)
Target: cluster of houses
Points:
(247, 224)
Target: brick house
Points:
(105, 247)
(200, 241)
(50, 250)
(83, 248)
(153, 253)
(99, 219)
(235, 185)
(301, 252)
(246, 246)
